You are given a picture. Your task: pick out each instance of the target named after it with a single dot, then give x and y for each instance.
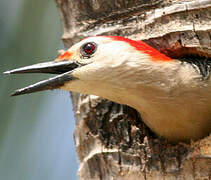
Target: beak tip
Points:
(14, 94)
(7, 72)
(17, 92)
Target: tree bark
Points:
(111, 140)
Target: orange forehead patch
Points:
(65, 55)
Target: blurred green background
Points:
(36, 131)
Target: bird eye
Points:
(88, 49)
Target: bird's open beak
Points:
(64, 68)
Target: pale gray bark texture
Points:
(111, 140)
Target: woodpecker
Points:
(173, 96)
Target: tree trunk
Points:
(111, 140)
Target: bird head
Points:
(169, 94)
(101, 65)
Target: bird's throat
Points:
(177, 119)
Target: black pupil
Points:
(89, 48)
